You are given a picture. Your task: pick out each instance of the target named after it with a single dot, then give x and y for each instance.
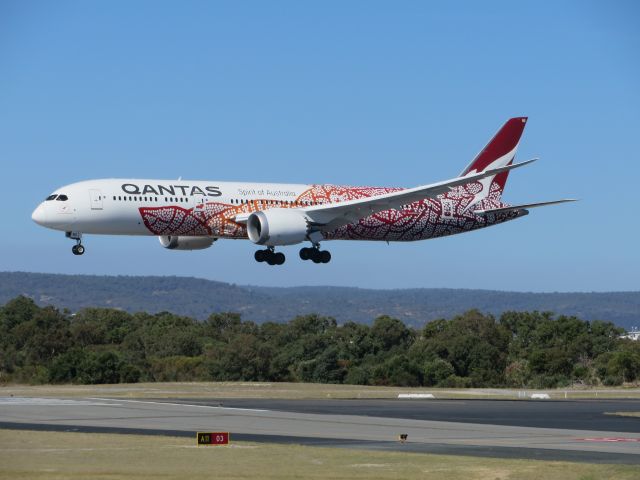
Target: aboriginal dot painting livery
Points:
(192, 215)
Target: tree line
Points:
(518, 349)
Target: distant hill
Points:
(198, 298)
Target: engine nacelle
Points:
(277, 226)
(173, 242)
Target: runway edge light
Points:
(212, 438)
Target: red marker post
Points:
(212, 438)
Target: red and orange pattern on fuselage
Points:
(430, 218)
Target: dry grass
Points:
(624, 414)
(283, 390)
(53, 455)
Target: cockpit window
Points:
(50, 197)
(62, 198)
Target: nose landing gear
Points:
(270, 256)
(78, 248)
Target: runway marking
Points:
(609, 439)
(181, 405)
(49, 402)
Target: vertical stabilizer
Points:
(499, 152)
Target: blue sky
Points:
(357, 93)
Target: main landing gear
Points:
(78, 248)
(315, 254)
(270, 256)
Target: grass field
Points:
(53, 455)
(287, 390)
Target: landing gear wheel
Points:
(305, 253)
(261, 255)
(325, 256)
(77, 249)
(279, 258)
(315, 255)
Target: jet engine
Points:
(173, 242)
(277, 226)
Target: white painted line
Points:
(540, 396)
(183, 405)
(416, 395)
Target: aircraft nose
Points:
(39, 215)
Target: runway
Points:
(550, 430)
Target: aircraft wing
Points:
(330, 216)
(524, 206)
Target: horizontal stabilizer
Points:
(524, 206)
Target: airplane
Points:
(192, 215)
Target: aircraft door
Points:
(96, 199)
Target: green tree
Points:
(436, 371)
(100, 368)
(390, 333)
(397, 370)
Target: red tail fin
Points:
(500, 151)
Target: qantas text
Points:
(186, 190)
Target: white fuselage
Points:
(112, 206)
(212, 209)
